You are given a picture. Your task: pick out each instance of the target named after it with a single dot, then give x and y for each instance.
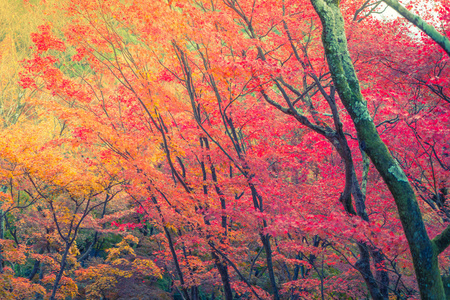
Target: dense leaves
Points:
(200, 150)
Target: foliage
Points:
(199, 149)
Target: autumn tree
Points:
(242, 146)
(423, 250)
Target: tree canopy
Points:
(224, 149)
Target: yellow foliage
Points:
(147, 268)
(17, 21)
(47, 260)
(104, 277)
(66, 288)
(6, 201)
(123, 248)
(13, 253)
(171, 227)
(131, 238)
(12, 288)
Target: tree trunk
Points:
(265, 238)
(223, 271)
(423, 250)
(61, 271)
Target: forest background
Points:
(224, 149)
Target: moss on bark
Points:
(347, 85)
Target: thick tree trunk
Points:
(265, 239)
(363, 266)
(381, 274)
(61, 271)
(376, 288)
(423, 250)
(223, 271)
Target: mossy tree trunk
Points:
(423, 250)
(417, 21)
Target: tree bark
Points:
(265, 238)
(61, 271)
(429, 30)
(223, 271)
(422, 249)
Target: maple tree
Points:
(223, 147)
(424, 251)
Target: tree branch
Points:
(442, 241)
(421, 24)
